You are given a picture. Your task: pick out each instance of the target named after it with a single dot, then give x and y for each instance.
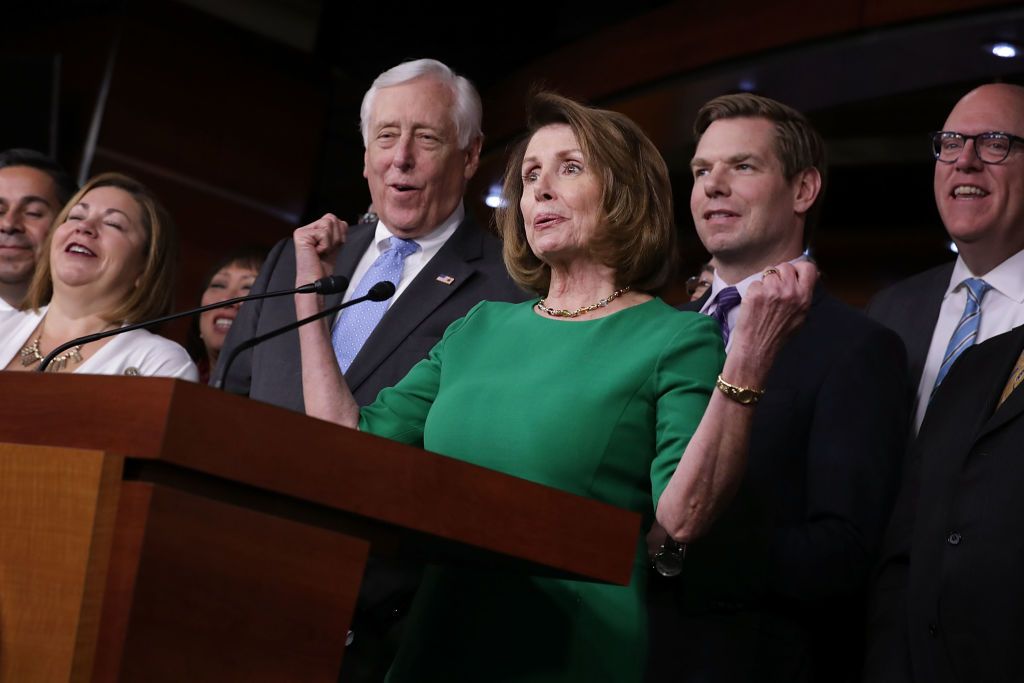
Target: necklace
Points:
(564, 313)
(30, 355)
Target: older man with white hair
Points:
(421, 127)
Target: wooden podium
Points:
(157, 530)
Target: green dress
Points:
(601, 408)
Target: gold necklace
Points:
(30, 355)
(565, 313)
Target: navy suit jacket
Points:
(948, 603)
(791, 556)
(412, 325)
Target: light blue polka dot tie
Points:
(966, 331)
(355, 324)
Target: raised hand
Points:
(773, 309)
(316, 246)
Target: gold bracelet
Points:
(745, 395)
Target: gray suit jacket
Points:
(911, 309)
(415, 322)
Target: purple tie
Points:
(726, 300)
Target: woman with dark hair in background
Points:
(108, 261)
(231, 277)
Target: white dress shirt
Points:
(1002, 309)
(430, 244)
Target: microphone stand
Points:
(327, 285)
(381, 291)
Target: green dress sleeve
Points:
(400, 412)
(685, 377)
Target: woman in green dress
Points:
(597, 388)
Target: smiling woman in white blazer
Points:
(108, 261)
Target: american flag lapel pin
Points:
(445, 279)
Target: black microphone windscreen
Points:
(332, 284)
(381, 291)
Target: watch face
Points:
(669, 559)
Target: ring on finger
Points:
(770, 271)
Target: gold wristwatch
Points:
(744, 395)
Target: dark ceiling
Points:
(874, 94)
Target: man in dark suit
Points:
(774, 591)
(948, 604)
(979, 192)
(948, 601)
(421, 127)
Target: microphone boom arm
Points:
(381, 291)
(324, 286)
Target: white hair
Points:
(466, 110)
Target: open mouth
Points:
(403, 187)
(75, 248)
(968, 192)
(222, 324)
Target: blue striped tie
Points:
(966, 331)
(355, 324)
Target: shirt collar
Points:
(433, 238)
(718, 284)
(1007, 278)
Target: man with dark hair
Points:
(33, 189)
(774, 592)
(948, 601)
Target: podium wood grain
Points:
(156, 530)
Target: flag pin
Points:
(445, 279)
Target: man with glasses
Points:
(948, 600)
(979, 191)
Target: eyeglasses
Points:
(696, 283)
(991, 148)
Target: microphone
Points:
(381, 291)
(332, 284)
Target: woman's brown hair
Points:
(152, 296)
(637, 237)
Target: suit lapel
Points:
(419, 300)
(922, 313)
(356, 244)
(695, 306)
(1004, 358)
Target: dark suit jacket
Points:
(774, 591)
(911, 308)
(415, 322)
(948, 603)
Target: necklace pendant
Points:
(30, 353)
(75, 354)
